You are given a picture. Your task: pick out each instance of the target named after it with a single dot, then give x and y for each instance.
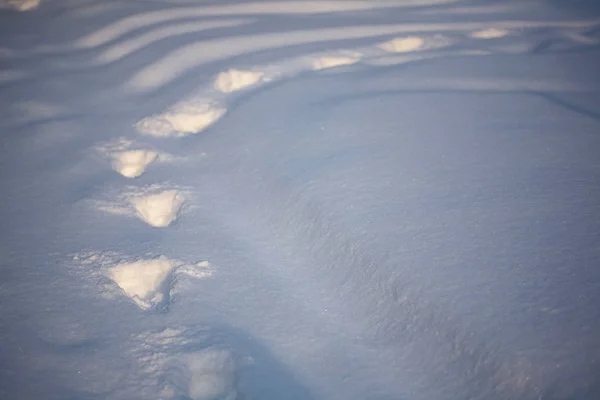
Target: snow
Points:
(20, 5)
(492, 33)
(159, 209)
(234, 80)
(183, 119)
(144, 281)
(331, 62)
(213, 375)
(299, 199)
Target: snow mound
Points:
(233, 80)
(146, 282)
(184, 119)
(332, 62)
(20, 5)
(492, 33)
(212, 375)
(160, 209)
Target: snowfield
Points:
(300, 199)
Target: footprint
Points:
(212, 375)
(160, 209)
(146, 282)
(414, 43)
(130, 159)
(183, 119)
(233, 80)
(491, 33)
(157, 205)
(185, 363)
(132, 164)
(332, 62)
(403, 45)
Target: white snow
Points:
(332, 62)
(158, 205)
(146, 282)
(233, 80)
(130, 158)
(183, 119)
(354, 220)
(159, 210)
(133, 163)
(403, 44)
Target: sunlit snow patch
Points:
(332, 62)
(159, 209)
(414, 43)
(21, 5)
(157, 205)
(146, 282)
(403, 45)
(128, 158)
(492, 33)
(183, 119)
(133, 163)
(233, 80)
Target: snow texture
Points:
(146, 281)
(20, 5)
(391, 199)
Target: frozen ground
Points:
(333, 199)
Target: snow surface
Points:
(300, 199)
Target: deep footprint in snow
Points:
(130, 159)
(156, 205)
(160, 209)
(491, 33)
(183, 119)
(132, 163)
(148, 282)
(414, 43)
(234, 80)
(184, 364)
(332, 62)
